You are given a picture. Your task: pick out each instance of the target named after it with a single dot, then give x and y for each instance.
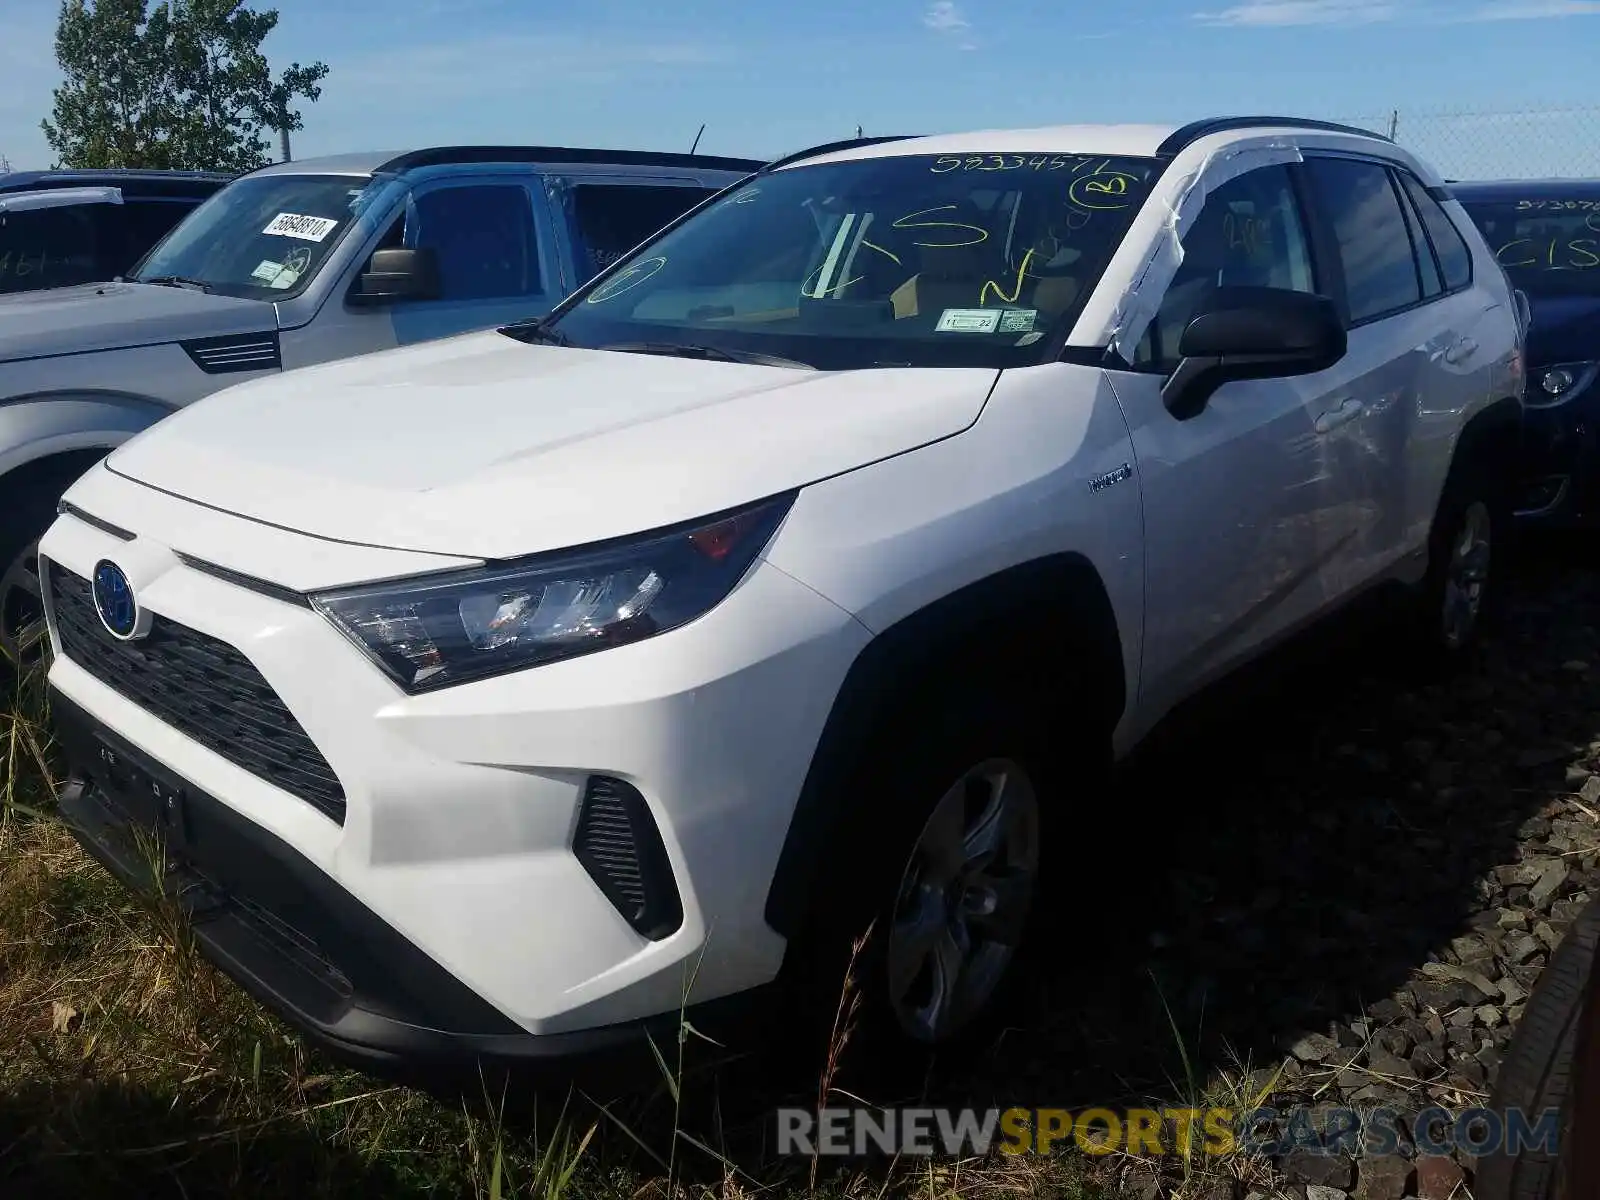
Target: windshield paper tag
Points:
(968, 320)
(308, 229)
(1017, 320)
(266, 270)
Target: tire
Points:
(28, 498)
(957, 755)
(1551, 1066)
(1461, 597)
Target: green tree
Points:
(171, 85)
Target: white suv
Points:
(498, 696)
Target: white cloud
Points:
(945, 18)
(1521, 10)
(1301, 12)
(1263, 13)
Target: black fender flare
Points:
(1054, 606)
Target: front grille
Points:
(203, 688)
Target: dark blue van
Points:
(1546, 234)
(59, 228)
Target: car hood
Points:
(485, 447)
(1564, 329)
(110, 316)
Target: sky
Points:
(767, 78)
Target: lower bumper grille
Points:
(620, 847)
(202, 687)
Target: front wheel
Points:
(1553, 1068)
(22, 625)
(936, 887)
(28, 500)
(963, 901)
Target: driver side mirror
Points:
(398, 274)
(1251, 333)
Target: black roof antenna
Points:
(696, 145)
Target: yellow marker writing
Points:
(1022, 270)
(906, 222)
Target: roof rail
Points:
(830, 147)
(1195, 130)
(438, 155)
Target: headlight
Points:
(1560, 383)
(438, 630)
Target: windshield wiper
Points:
(535, 331)
(709, 353)
(178, 281)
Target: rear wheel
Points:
(1460, 596)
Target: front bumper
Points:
(457, 812)
(288, 934)
(1560, 474)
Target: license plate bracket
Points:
(148, 800)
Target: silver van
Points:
(300, 263)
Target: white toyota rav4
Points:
(498, 696)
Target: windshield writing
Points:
(1548, 247)
(262, 238)
(918, 260)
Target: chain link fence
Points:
(1531, 144)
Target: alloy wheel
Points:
(963, 900)
(1466, 575)
(22, 625)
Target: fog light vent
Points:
(619, 845)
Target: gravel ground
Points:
(1338, 876)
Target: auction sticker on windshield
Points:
(968, 320)
(310, 229)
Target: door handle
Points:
(1343, 415)
(1460, 350)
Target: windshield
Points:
(978, 260)
(1549, 247)
(260, 238)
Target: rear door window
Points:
(1422, 251)
(610, 219)
(49, 247)
(1369, 227)
(1455, 260)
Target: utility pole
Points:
(1394, 124)
(283, 136)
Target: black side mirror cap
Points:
(1252, 333)
(398, 274)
